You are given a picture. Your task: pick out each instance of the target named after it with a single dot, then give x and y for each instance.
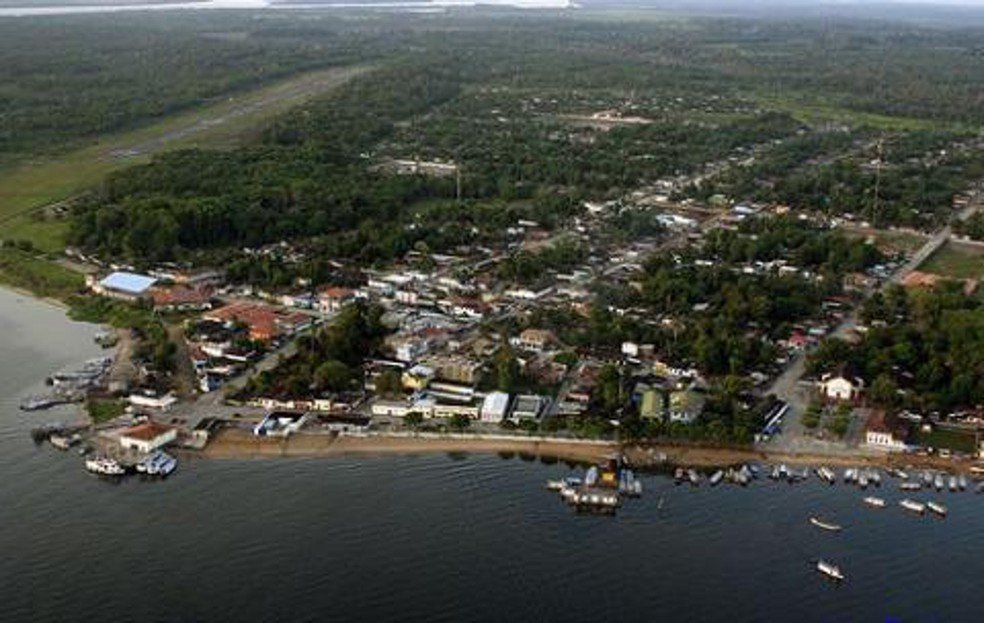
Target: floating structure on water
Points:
(159, 463)
(937, 508)
(602, 488)
(830, 570)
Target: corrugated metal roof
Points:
(130, 283)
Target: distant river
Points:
(437, 538)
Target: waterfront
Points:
(437, 538)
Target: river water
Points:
(437, 538)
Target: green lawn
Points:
(959, 442)
(43, 181)
(956, 260)
(20, 269)
(103, 410)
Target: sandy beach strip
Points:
(236, 443)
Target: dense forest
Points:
(510, 110)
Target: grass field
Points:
(960, 261)
(20, 269)
(32, 185)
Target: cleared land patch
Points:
(38, 183)
(956, 260)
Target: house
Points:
(147, 437)
(334, 298)
(122, 285)
(180, 298)
(280, 424)
(536, 340)
(494, 407)
(841, 388)
(417, 377)
(686, 405)
(528, 407)
(151, 400)
(651, 406)
(410, 348)
(264, 322)
(455, 368)
(885, 432)
(391, 408)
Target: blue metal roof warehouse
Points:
(128, 283)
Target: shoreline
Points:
(241, 444)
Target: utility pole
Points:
(878, 165)
(457, 181)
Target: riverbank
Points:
(236, 443)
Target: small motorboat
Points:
(912, 505)
(938, 482)
(693, 477)
(830, 570)
(823, 525)
(910, 486)
(953, 484)
(874, 502)
(939, 509)
(716, 478)
(962, 482)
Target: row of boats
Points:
(861, 477)
(158, 463)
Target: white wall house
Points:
(841, 388)
(147, 437)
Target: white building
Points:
(841, 388)
(880, 435)
(147, 437)
(494, 407)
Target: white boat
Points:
(938, 482)
(927, 478)
(910, 486)
(552, 485)
(158, 464)
(105, 466)
(826, 474)
(953, 483)
(912, 505)
(875, 502)
(939, 509)
(980, 487)
(830, 570)
(962, 482)
(693, 476)
(863, 480)
(716, 478)
(823, 525)
(849, 475)
(875, 477)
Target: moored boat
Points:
(823, 525)
(952, 483)
(939, 509)
(104, 466)
(830, 570)
(910, 486)
(875, 502)
(716, 478)
(962, 482)
(938, 482)
(912, 505)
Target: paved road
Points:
(789, 385)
